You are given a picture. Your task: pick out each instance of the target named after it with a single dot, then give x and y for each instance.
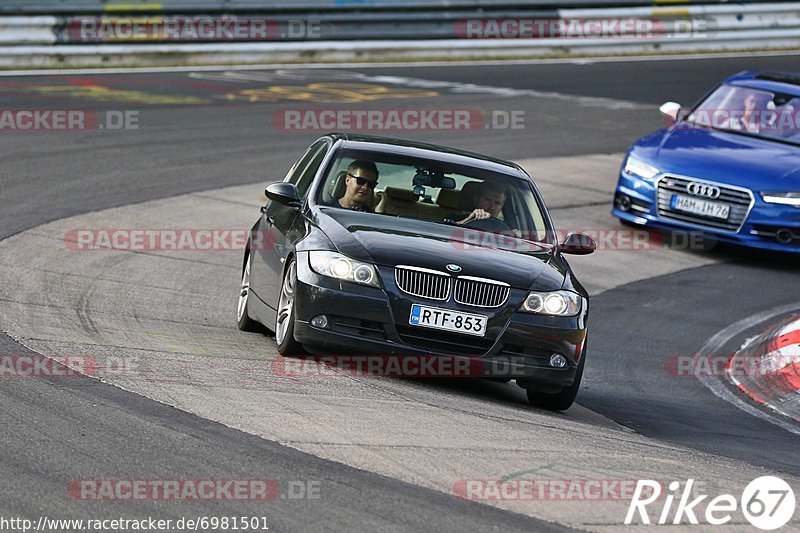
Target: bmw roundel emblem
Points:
(452, 267)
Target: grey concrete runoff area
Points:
(161, 324)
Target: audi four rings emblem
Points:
(703, 189)
(452, 267)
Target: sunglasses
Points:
(364, 181)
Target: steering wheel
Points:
(492, 224)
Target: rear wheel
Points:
(284, 325)
(562, 400)
(244, 321)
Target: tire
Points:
(244, 321)
(284, 323)
(563, 400)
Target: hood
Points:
(389, 241)
(715, 155)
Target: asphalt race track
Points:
(197, 399)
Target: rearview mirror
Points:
(283, 193)
(670, 112)
(431, 178)
(578, 244)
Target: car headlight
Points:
(556, 303)
(336, 265)
(639, 168)
(783, 198)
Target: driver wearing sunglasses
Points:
(360, 182)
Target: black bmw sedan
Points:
(395, 249)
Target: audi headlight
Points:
(335, 265)
(783, 198)
(556, 303)
(637, 167)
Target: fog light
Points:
(625, 202)
(784, 236)
(320, 321)
(558, 361)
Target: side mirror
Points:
(284, 194)
(578, 244)
(670, 112)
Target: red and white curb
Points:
(776, 383)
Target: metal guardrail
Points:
(341, 34)
(702, 21)
(27, 30)
(99, 7)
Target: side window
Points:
(293, 176)
(307, 176)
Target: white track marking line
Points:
(560, 61)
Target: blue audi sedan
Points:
(728, 168)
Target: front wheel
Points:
(562, 400)
(284, 325)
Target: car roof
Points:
(782, 82)
(428, 151)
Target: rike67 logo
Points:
(767, 502)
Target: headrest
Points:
(337, 185)
(448, 198)
(469, 191)
(404, 195)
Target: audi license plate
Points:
(433, 317)
(700, 207)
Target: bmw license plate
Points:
(700, 207)
(433, 317)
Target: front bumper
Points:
(635, 201)
(374, 322)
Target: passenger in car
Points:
(754, 106)
(360, 182)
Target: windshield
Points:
(750, 111)
(406, 187)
